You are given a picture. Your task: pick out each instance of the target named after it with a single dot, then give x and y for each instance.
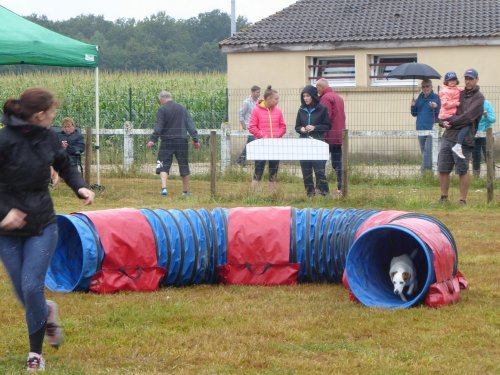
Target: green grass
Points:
(303, 329)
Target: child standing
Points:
(450, 100)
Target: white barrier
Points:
(287, 149)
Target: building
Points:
(355, 44)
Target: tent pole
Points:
(98, 159)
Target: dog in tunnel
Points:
(403, 275)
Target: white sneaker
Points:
(54, 332)
(457, 149)
(35, 362)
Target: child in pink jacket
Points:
(450, 100)
(267, 121)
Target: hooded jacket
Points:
(266, 123)
(26, 154)
(335, 106)
(489, 119)
(315, 114)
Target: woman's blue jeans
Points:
(26, 260)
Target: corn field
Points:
(128, 96)
(125, 95)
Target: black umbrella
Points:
(414, 71)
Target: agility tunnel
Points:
(141, 250)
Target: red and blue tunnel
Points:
(141, 250)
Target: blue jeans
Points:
(336, 156)
(426, 150)
(26, 260)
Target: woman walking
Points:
(28, 229)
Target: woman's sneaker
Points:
(54, 332)
(35, 362)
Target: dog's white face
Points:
(399, 280)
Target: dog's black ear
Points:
(392, 274)
(406, 276)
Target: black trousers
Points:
(318, 168)
(259, 169)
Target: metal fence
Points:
(384, 154)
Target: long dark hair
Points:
(31, 101)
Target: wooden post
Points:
(88, 154)
(490, 165)
(345, 162)
(213, 162)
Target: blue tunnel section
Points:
(369, 261)
(320, 241)
(77, 257)
(192, 244)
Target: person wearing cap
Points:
(425, 108)
(313, 121)
(469, 112)
(450, 100)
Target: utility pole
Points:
(233, 17)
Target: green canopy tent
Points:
(25, 42)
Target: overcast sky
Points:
(56, 10)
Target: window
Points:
(339, 71)
(382, 65)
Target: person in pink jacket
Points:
(267, 121)
(450, 100)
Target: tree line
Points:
(156, 43)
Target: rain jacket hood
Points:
(311, 90)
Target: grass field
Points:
(304, 329)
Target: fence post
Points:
(345, 161)
(128, 146)
(490, 165)
(225, 147)
(213, 162)
(88, 154)
(435, 149)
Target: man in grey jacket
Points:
(173, 123)
(246, 109)
(468, 114)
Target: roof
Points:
(340, 21)
(25, 42)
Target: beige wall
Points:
(367, 108)
(289, 69)
(288, 73)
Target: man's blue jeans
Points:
(27, 260)
(425, 142)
